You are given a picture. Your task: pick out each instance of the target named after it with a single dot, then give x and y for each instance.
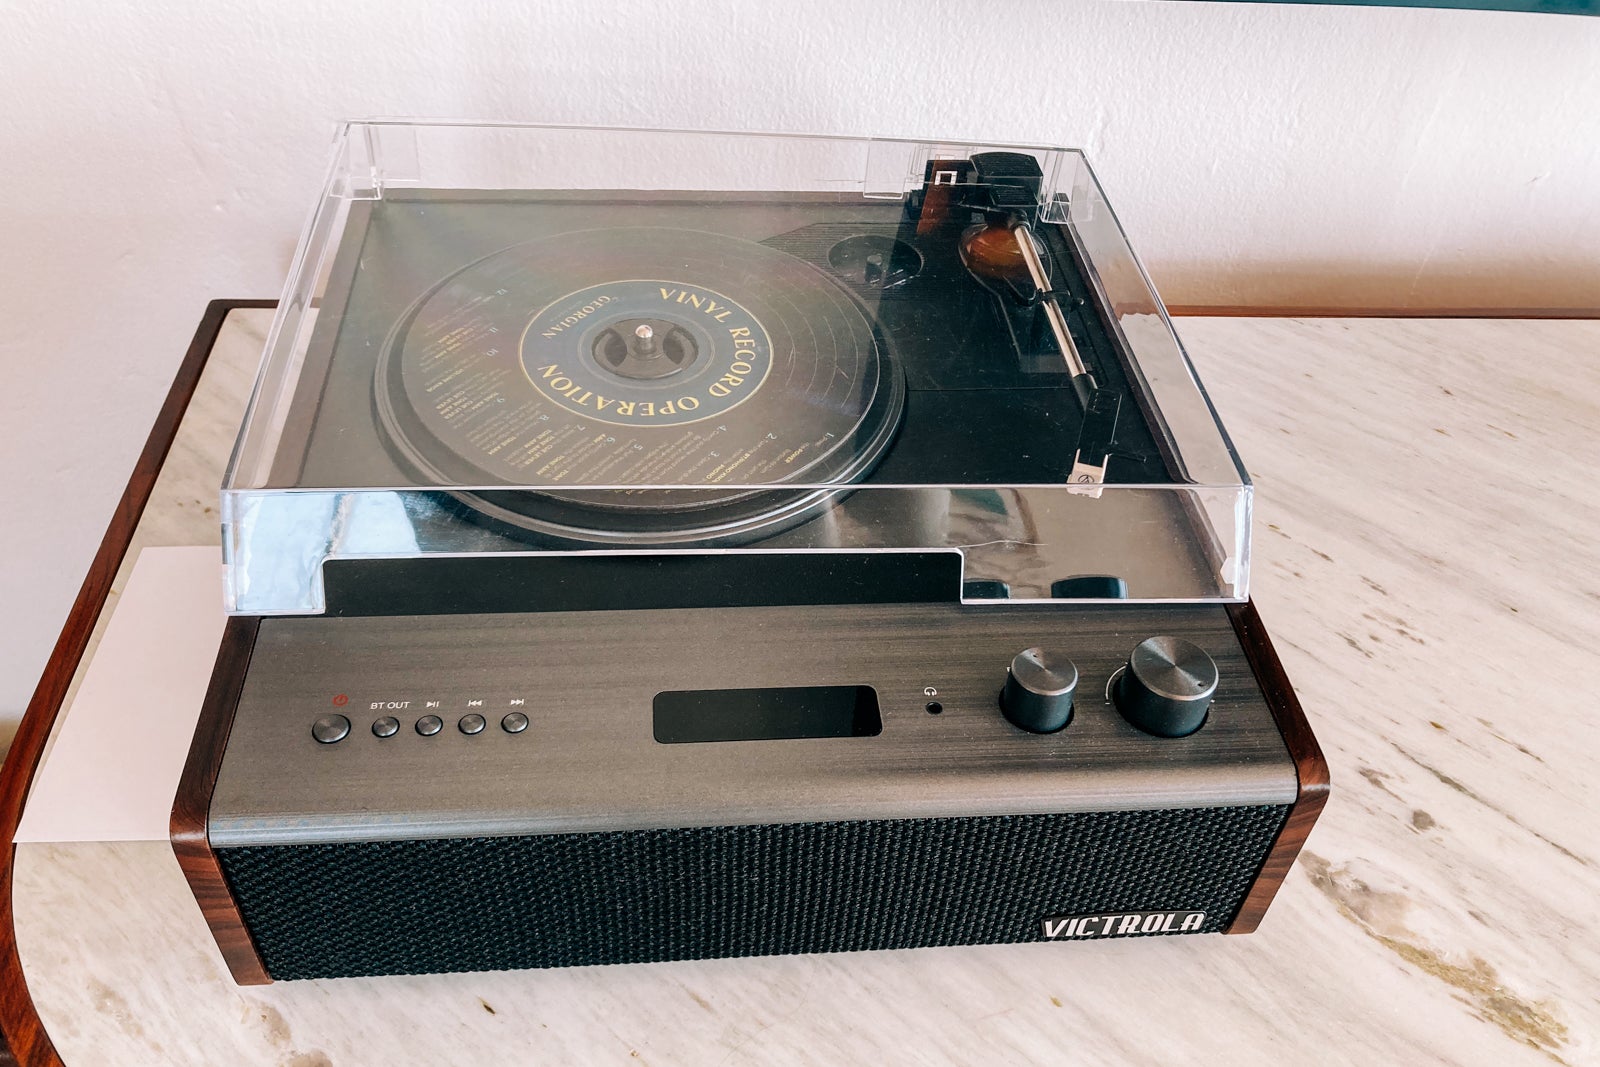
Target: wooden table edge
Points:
(1293, 311)
(23, 1032)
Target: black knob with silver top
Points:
(1166, 687)
(1039, 690)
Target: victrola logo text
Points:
(1122, 924)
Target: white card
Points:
(113, 770)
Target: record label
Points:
(646, 352)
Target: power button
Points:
(330, 728)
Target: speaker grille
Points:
(494, 903)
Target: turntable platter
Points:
(632, 358)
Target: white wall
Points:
(156, 155)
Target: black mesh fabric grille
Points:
(493, 903)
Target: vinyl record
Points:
(633, 358)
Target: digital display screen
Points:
(692, 716)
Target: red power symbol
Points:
(340, 701)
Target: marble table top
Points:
(1426, 558)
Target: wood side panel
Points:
(19, 1021)
(1310, 766)
(190, 807)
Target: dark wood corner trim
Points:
(190, 839)
(1309, 765)
(19, 1021)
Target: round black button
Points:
(387, 726)
(429, 725)
(471, 724)
(1167, 686)
(330, 728)
(1039, 690)
(514, 723)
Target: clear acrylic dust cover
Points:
(516, 339)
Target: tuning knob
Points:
(1039, 689)
(1167, 686)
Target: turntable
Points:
(650, 545)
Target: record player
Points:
(647, 545)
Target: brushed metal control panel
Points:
(586, 759)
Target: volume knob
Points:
(1167, 686)
(1039, 690)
